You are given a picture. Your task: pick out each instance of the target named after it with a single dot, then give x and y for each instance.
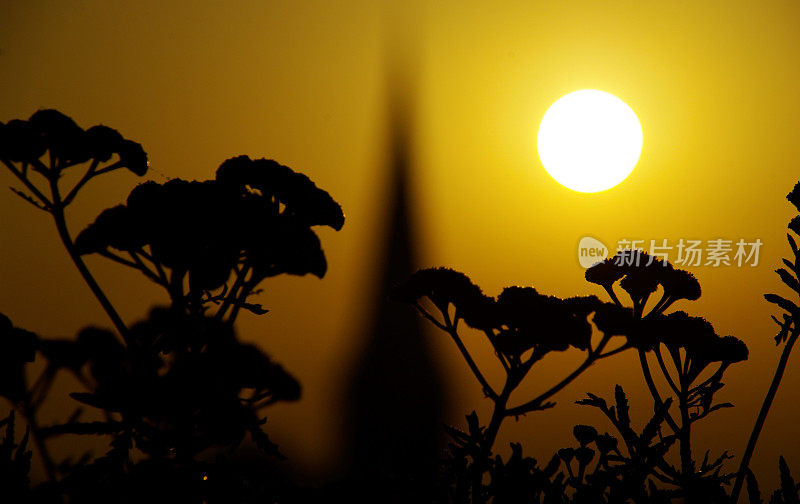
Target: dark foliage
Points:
(219, 238)
(174, 395)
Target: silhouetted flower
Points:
(115, 227)
(183, 381)
(606, 443)
(680, 284)
(528, 319)
(20, 142)
(614, 320)
(205, 229)
(584, 455)
(444, 286)
(605, 273)
(289, 193)
(133, 157)
(640, 275)
(103, 142)
(66, 141)
(643, 276)
(696, 336)
(68, 144)
(566, 454)
(585, 434)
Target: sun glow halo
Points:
(589, 140)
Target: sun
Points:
(589, 140)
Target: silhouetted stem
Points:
(86, 177)
(430, 317)
(232, 295)
(63, 233)
(685, 439)
(241, 298)
(497, 353)
(648, 378)
(664, 370)
(139, 264)
(490, 435)
(537, 402)
(613, 295)
(452, 330)
(44, 453)
(762, 416)
(32, 188)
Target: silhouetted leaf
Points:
(753, 493)
(788, 279)
(794, 196)
(593, 400)
(782, 302)
(788, 488)
(794, 224)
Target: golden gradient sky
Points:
(716, 86)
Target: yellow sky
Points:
(715, 85)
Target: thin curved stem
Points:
(762, 415)
(86, 177)
(240, 299)
(66, 239)
(490, 336)
(47, 460)
(648, 378)
(232, 294)
(32, 188)
(664, 370)
(537, 402)
(452, 330)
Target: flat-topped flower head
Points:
(68, 144)
(680, 284)
(605, 273)
(20, 142)
(286, 191)
(640, 275)
(527, 319)
(444, 286)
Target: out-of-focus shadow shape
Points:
(395, 399)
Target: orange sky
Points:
(715, 86)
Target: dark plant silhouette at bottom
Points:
(180, 400)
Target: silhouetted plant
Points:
(213, 242)
(787, 493)
(692, 358)
(40, 150)
(15, 463)
(788, 331)
(179, 392)
(626, 471)
(522, 326)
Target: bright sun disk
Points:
(589, 140)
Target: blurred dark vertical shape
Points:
(395, 396)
